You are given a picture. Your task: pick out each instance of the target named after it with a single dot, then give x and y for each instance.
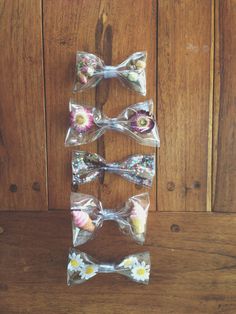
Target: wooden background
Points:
(191, 68)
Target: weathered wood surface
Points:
(97, 27)
(184, 50)
(224, 175)
(193, 254)
(185, 176)
(193, 266)
(22, 120)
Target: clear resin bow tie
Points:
(88, 216)
(90, 70)
(82, 267)
(89, 123)
(86, 167)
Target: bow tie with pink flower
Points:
(88, 123)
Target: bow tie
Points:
(86, 167)
(89, 123)
(88, 215)
(90, 70)
(82, 267)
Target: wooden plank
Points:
(225, 110)
(64, 33)
(193, 266)
(140, 35)
(184, 51)
(22, 119)
(97, 27)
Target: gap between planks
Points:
(44, 99)
(216, 100)
(210, 123)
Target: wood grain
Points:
(225, 110)
(184, 44)
(68, 27)
(22, 120)
(193, 266)
(140, 35)
(97, 27)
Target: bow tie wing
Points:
(81, 267)
(86, 167)
(132, 72)
(136, 267)
(138, 121)
(89, 71)
(83, 127)
(85, 217)
(138, 212)
(132, 218)
(139, 169)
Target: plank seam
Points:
(44, 97)
(210, 121)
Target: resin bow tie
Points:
(82, 267)
(88, 215)
(86, 167)
(90, 70)
(88, 123)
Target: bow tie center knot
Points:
(106, 122)
(108, 214)
(110, 72)
(106, 268)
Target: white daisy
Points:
(75, 263)
(141, 271)
(88, 271)
(129, 262)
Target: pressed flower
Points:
(75, 263)
(142, 121)
(133, 76)
(88, 271)
(82, 119)
(141, 271)
(82, 78)
(129, 262)
(90, 71)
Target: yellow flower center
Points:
(143, 122)
(89, 270)
(141, 271)
(74, 263)
(80, 119)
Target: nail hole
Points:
(13, 188)
(196, 185)
(175, 228)
(36, 186)
(3, 286)
(170, 186)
